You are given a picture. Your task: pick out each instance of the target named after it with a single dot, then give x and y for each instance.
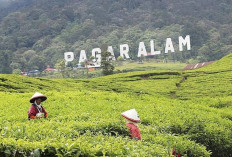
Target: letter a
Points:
(142, 49)
(169, 46)
(82, 56)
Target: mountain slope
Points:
(224, 64)
(44, 30)
(188, 110)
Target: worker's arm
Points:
(32, 113)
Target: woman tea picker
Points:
(36, 110)
(132, 118)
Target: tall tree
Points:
(106, 63)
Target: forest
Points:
(36, 33)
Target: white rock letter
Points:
(69, 57)
(142, 49)
(153, 52)
(82, 56)
(124, 49)
(96, 53)
(183, 42)
(169, 46)
(110, 49)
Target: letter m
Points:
(183, 42)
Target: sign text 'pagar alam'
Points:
(124, 50)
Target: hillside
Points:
(34, 34)
(208, 81)
(190, 110)
(223, 64)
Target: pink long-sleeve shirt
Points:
(34, 110)
(134, 131)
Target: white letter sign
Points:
(96, 53)
(153, 52)
(110, 49)
(124, 49)
(68, 56)
(184, 42)
(82, 56)
(169, 46)
(142, 49)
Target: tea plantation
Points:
(188, 110)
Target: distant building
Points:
(91, 66)
(24, 73)
(197, 66)
(32, 72)
(50, 69)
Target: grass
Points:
(150, 66)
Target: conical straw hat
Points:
(37, 95)
(131, 115)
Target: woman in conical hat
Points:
(37, 110)
(132, 120)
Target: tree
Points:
(60, 65)
(37, 62)
(16, 71)
(119, 60)
(5, 59)
(65, 71)
(29, 54)
(141, 59)
(15, 66)
(106, 64)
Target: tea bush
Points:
(188, 110)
